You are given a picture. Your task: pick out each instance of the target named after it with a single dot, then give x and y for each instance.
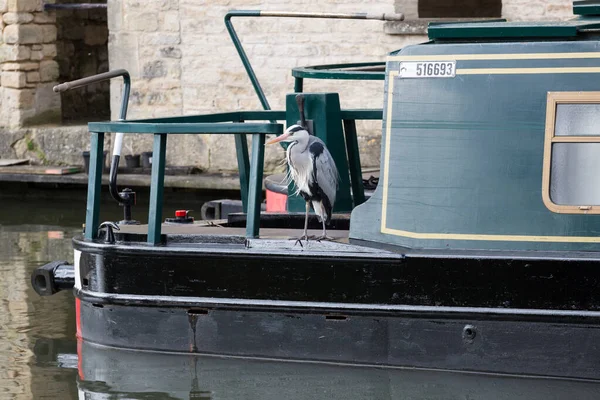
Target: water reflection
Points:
(25, 317)
(105, 373)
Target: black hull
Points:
(532, 314)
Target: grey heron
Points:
(313, 170)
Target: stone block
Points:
(47, 17)
(10, 18)
(49, 71)
(15, 99)
(123, 52)
(95, 35)
(25, 34)
(222, 153)
(33, 77)
(36, 47)
(188, 150)
(160, 39)
(14, 53)
(146, 22)
(49, 50)
(9, 138)
(3, 6)
(63, 144)
(49, 33)
(25, 5)
(22, 66)
(169, 21)
(154, 69)
(14, 79)
(37, 55)
(168, 4)
(115, 15)
(46, 99)
(170, 52)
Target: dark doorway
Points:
(82, 51)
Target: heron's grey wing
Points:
(324, 170)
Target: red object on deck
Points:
(180, 213)
(276, 202)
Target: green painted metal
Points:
(177, 128)
(235, 116)
(255, 186)
(92, 214)
(350, 71)
(324, 110)
(156, 188)
(586, 7)
(298, 85)
(221, 123)
(241, 147)
(505, 30)
(466, 154)
(358, 190)
(365, 114)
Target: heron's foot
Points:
(301, 238)
(325, 237)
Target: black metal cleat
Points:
(109, 226)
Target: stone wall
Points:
(523, 10)
(29, 70)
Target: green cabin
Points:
(491, 139)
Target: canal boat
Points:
(479, 250)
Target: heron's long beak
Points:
(279, 138)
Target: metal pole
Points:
(284, 14)
(114, 166)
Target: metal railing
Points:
(284, 14)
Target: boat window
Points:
(571, 175)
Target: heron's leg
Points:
(305, 236)
(324, 236)
(306, 220)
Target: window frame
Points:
(553, 100)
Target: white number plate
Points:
(428, 69)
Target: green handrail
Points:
(161, 128)
(283, 14)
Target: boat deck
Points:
(213, 228)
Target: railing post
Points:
(298, 85)
(92, 214)
(156, 188)
(255, 186)
(358, 190)
(241, 149)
